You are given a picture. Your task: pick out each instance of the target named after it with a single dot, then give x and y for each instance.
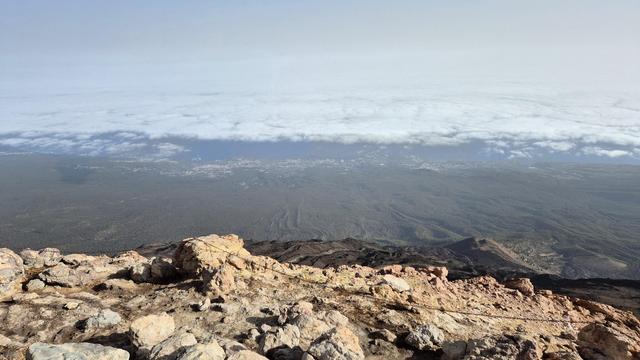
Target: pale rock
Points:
(147, 331)
(210, 351)
(104, 318)
(523, 285)
(218, 281)
(310, 328)
(502, 348)
(289, 336)
(60, 275)
(396, 283)
(71, 305)
(169, 348)
(195, 255)
(425, 337)
(75, 351)
(337, 344)
(35, 285)
(11, 273)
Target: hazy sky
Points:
(382, 71)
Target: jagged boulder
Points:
(339, 343)
(218, 281)
(523, 285)
(170, 348)
(425, 337)
(150, 330)
(502, 348)
(610, 341)
(40, 258)
(75, 351)
(11, 272)
(195, 255)
(288, 335)
(210, 351)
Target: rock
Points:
(301, 307)
(11, 273)
(503, 348)
(425, 337)
(162, 270)
(140, 272)
(170, 348)
(396, 283)
(523, 285)
(310, 328)
(102, 319)
(609, 340)
(383, 334)
(40, 259)
(246, 355)
(203, 305)
(335, 318)
(76, 260)
(288, 336)
(195, 255)
(75, 351)
(218, 281)
(60, 275)
(118, 284)
(391, 269)
(337, 344)
(71, 305)
(211, 351)
(150, 330)
(35, 285)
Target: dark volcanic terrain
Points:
(573, 220)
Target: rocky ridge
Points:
(214, 300)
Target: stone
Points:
(503, 348)
(334, 317)
(338, 343)
(288, 336)
(210, 351)
(425, 337)
(140, 272)
(169, 348)
(118, 284)
(246, 355)
(396, 283)
(203, 305)
(383, 334)
(104, 318)
(71, 305)
(310, 328)
(35, 285)
(218, 281)
(39, 259)
(11, 273)
(75, 351)
(150, 330)
(523, 285)
(195, 255)
(610, 340)
(60, 275)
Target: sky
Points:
(520, 76)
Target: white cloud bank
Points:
(507, 116)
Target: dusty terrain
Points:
(212, 299)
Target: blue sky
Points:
(560, 74)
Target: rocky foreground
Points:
(214, 300)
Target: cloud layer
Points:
(510, 117)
